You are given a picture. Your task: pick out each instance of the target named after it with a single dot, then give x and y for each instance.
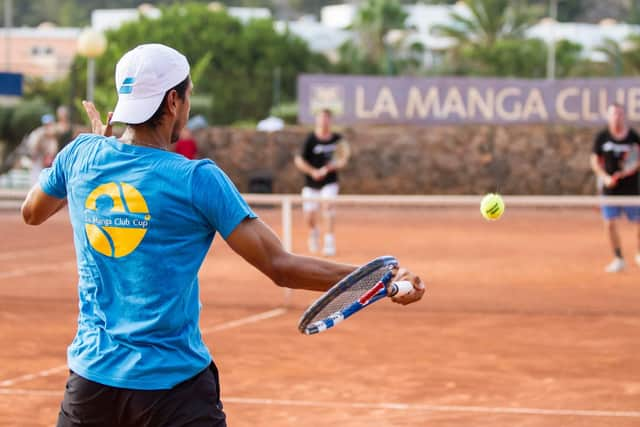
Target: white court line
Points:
(30, 252)
(244, 321)
(220, 327)
(33, 376)
(384, 406)
(31, 392)
(42, 268)
(432, 408)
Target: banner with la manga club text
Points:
(412, 100)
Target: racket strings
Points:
(352, 294)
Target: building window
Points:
(41, 51)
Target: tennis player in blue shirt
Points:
(143, 220)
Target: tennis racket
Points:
(628, 162)
(340, 155)
(631, 159)
(358, 290)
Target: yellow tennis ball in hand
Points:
(492, 206)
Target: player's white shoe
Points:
(329, 248)
(312, 243)
(615, 266)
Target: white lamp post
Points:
(551, 50)
(91, 44)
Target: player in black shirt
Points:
(323, 154)
(615, 162)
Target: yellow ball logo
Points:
(116, 219)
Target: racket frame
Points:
(378, 291)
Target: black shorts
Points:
(192, 403)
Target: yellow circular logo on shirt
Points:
(116, 219)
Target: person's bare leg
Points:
(311, 218)
(618, 264)
(328, 215)
(614, 237)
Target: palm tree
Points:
(613, 55)
(487, 22)
(630, 53)
(374, 21)
(484, 36)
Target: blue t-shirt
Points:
(143, 220)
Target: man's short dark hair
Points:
(181, 89)
(327, 111)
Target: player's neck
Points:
(619, 132)
(147, 137)
(323, 133)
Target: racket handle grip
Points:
(400, 288)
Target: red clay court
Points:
(520, 326)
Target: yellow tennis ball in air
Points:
(492, 206)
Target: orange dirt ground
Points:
(520, 326)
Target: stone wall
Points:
(532, 159)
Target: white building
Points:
(421, 20)
(338, 16)
(319, 37)
(110, 19)
(424, 18)
(328, 34)
(246, 14)
(45, 51)
(590, 36)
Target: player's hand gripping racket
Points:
(358, 290)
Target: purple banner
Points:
(409, 100)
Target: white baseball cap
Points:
(143, 76)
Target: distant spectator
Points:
(186, 145)
(614, 160)
(64, 129)
(323, 154)
(42, 146)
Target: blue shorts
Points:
(613, 212)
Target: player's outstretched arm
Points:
(39, 206)
(253, 240)
(259, 245)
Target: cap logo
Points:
(127, 85)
